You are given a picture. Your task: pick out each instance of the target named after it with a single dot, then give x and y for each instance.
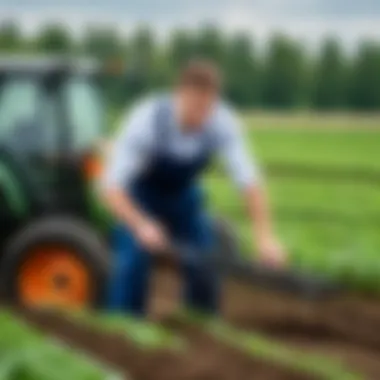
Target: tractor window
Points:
(85, 112)
(18, 104)
(26, 126)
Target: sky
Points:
(309, 20)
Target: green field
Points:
(26, 354)
(328, 225)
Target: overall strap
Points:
(162, 123)
(209, 140)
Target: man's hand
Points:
(147, 232)
(271, 251)
(151, 236)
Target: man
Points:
(150, 185)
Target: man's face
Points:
(196, 106)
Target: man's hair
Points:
(201, 74)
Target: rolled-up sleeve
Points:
(240, 163)
(130, 150)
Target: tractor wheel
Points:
(57, 262)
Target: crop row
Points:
(26, 354)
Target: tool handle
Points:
(291, 281)
(284, 280)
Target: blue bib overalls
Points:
(169, 193)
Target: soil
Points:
(346, 328)
(205, 359)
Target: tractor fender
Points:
(12, 192)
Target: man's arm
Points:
(246, 174)
(128, 157)
(269, 247)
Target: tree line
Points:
(282, 75)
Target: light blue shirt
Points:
(136, 142)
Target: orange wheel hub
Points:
(54, 277)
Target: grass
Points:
(26, 354)
(261, 347)
(346, 149)
(258, 346)
(328, 226)
(143, 334)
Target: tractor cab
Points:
(51, 116)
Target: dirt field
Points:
(347, 328)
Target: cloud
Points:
(340, 8)
(310, 26)
(307, 19)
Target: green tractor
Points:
(51, 118)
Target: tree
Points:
(143, 66)
(209, 44)
(330, 77)
(283, 74)
(365, 79)
(10, 36)
(101, 43)
(181, 48)
(54, 38)
(143, 47)
(242, 72)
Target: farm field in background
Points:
(328, 217)
(344, 141)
